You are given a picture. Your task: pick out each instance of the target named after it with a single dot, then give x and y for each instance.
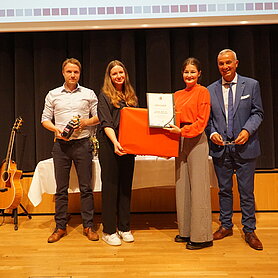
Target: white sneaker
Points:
(111, 239)
(126, 236)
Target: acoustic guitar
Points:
(10, 187)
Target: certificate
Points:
(161, 109)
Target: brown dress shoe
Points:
(222, 232)
(57, 234)
(253, 241)
(90, 234)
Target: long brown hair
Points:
(128, 94)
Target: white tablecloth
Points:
(150, 171)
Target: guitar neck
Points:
(10, 150)
(16, 126)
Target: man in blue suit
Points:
(236, 114)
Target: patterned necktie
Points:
(230, 113)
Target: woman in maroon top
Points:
(192, 169)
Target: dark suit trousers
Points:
(244, 169)
(116, 177)
(80, 152)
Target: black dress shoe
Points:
(179, 238)
(198, 245)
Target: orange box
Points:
(136, 137)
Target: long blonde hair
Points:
(128, 94)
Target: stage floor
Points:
(25, 253)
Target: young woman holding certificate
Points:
(116, 166)
(192, 169)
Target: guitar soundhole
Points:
(5, 176)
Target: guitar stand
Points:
(14, 215)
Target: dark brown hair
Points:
(191, 61)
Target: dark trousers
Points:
(244, 169)
(80, 152)
(116, 176)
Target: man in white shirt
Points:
(76, 104)
(236, 114)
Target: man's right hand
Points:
(217, 139)
(58, 134)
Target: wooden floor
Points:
(25, 253)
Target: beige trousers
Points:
(193, 189)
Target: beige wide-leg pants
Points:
(193, 189)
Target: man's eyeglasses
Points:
(229, 143)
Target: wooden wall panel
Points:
(162, 199)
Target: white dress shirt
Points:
(225, 90)
(62, 105)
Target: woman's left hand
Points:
(173, 129)
(118, 149)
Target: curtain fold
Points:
(31, 66)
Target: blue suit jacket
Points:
(248, 114)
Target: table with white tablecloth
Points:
(150, 171)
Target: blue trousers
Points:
(244, 169)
